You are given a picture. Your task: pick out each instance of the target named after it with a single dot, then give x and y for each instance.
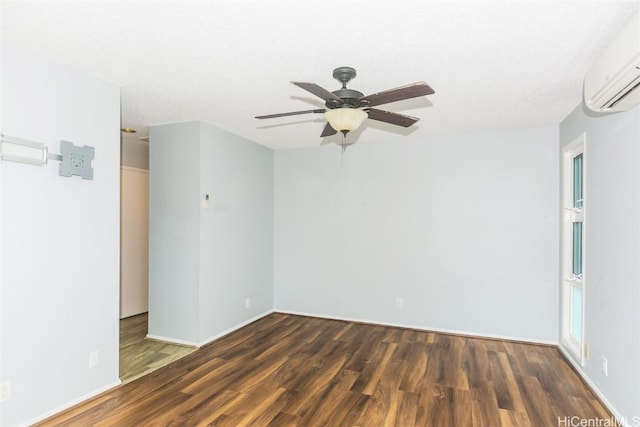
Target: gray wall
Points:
(174, 231)
(612, 251)
(134, 153)
(463, 228)
(236, 257)
(60, 241)
(205, 262)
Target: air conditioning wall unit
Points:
(613, 82)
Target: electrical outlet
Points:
(247, 303)
(586, 350)
(5, 390)
(93, 359)
(399, 304)
(605, 366)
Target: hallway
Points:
(139, 355)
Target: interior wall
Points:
(134, 154)
(174, 231)
(206, 261)
(236, 247)
(60, 240)
(612, 251)
(462, 228)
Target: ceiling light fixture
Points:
(345, 119)
(128, 130)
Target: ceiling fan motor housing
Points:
(349, 99)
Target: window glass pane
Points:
(577, 181)
(577, 249)
(576, 313)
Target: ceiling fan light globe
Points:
(345, 119)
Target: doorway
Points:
(139, 355)
(134, 241)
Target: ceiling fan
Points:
(348, 108)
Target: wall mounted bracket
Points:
(74, 160)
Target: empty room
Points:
(364, 213)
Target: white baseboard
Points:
(422, 328)
(592, 386)
(68, 405)
(208, 340)
(234, 328)
(172, 341)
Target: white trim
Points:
(172, 341)
(134, 169)
(234, 328)
(423, 328)
(70, 404)
(572, 348)
(577, 146)
(210, 339)
(592, 385)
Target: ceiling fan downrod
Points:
(344, 75)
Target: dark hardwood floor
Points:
(286, 370)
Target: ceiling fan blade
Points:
(293, 113)
(318, 91)
(412, 90)
(393, 118)
(328, 131)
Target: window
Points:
(573, 229)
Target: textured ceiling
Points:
(493, 64)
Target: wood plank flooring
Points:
(285, 370)
(139, 355)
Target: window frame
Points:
(571, 214)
